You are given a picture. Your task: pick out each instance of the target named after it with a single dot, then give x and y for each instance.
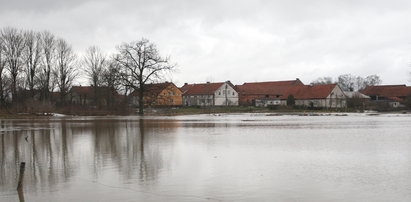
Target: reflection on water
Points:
(201, 158)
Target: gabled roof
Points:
(310, 92)
(388, 91)
(154, 89)
(203, 88)
(267, 88)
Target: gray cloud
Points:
(239, 40)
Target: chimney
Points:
(208, 82)
(185, 84)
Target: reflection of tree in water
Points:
(45, 147)
(132, 146)
(51, 150)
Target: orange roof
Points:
(267, 88)
(310, 92)
(203, 88)
(388, 91)
(154, 88)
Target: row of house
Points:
(260, 94)
(248, 94)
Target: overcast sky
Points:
(238, 40)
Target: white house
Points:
(210, 94)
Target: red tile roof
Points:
(186, 87)
(202, 88)
(267, 88)
(310, 92)
(388, 91)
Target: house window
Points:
(219, 92)
(233, 93)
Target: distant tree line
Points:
(36, 64)
(349, 82)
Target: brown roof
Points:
(186, 87)
(84, 90)
(203, 88)
(310, 92)
(154, 88)
(388, 91)
(89, 90)
(267, 88)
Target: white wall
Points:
(336, 99)
(226, 95)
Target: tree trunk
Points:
(141, 100)
(14, 89)
(2, 101)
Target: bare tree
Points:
(110, 76)
(13, 47)
(140, 63)
(359, 83)
(2, 67)
(48, 63)
(65, 73)
(322, 80)
(347, 82)
(110, 79)
(94, 64)
(372, 80)
(32, 54)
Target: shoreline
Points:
(200, 111)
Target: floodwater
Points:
(236, 157)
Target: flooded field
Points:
(237, 157)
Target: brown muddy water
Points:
(237, 157)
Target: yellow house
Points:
(159, 94)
